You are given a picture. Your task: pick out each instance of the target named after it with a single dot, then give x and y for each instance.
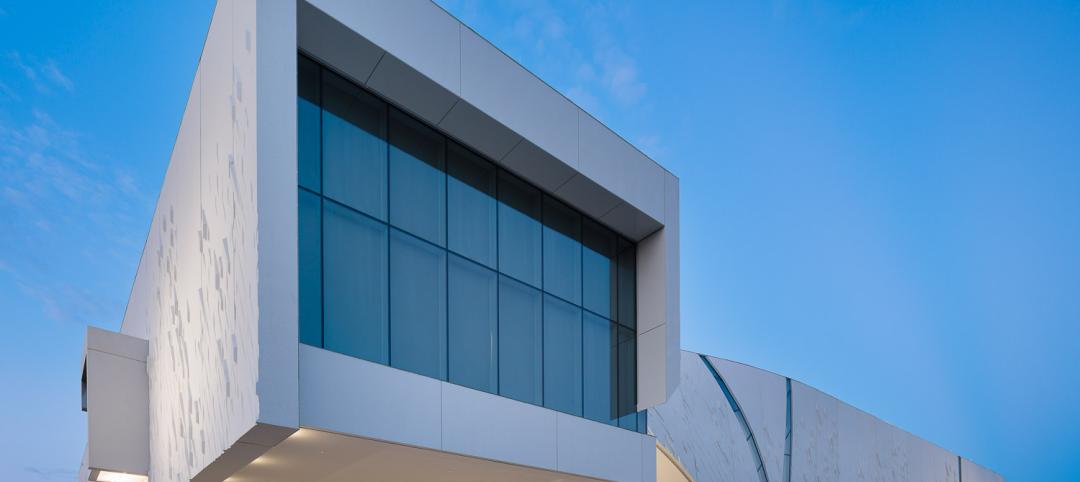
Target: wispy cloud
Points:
(51, 474)
(43, 75)
(52, 71)
(62, 211)
(584, 45)
(7, 93)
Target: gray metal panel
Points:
(598, 450)
(533, 163)
(673, 298)
(631, 222)
(762, 396)
(479, 131)
(416, 31)
(497, 428)
(411, 90)
(589, 196)
(497, 85)
(698, 426)
(349, 395)
(613, 162)
(117, 403)
(335, 44)
(265, 140)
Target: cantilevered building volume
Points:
(384, 250)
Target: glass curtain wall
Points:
(417, 253)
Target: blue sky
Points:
(879, 199)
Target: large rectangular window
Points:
(519, 229)
(417, 305)
(471, 206)
(309, 249)
(416, 252)
(520, 341)
(600, 367)
(355, 284)
(473, 295)
(562, 356)
(562, 251)
(417, 179)
(353, 146)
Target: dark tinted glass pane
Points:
(471, 206)
(355, 273)
(354, 146)
(519, 229)
(600, 368)
(417, 306)
(308, 113)
(627, 379)
(520, 341)
(474, 325)
(598, 273)
(562, 251)
(417, 180)
(562, 356)
(310, 268)
(627, 297)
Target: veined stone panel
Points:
(762, 396)
(972, 472)
(815, 439)
(873, 450)
(699, 428)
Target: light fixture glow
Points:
(107, 476)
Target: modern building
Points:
(384, 250)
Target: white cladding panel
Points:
(351, 396)
(831, 440)
(871, 449)
(815, 451)
(416, 31)
(762, 396)
(698, 426)
(972, 472)
(195, 296)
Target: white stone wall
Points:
(831, 440)
(762, 396)
(697, 425)
(195, 296)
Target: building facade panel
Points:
(698, 427)
(972, 472)
(348, 395)
(762, 396)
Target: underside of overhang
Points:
(318, 456)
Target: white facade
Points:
(231, 394)
(830, 440)
(215, 292)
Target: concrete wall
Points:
(831, 440)
(351, 396)
(201, 295)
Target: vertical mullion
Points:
(543, 313)
(498, 292)
(446, 256)
(322, 223)
(389, 268)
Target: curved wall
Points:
(829, 440)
